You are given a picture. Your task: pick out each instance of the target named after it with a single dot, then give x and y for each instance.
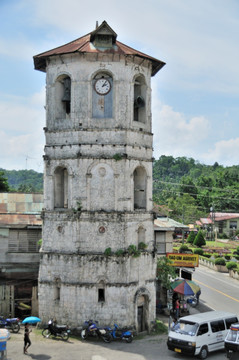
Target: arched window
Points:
(139, 99)
(141, 237)
(61, 188)
(140, 182)
(102, 96)
(63, 96)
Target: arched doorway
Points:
(142, 310)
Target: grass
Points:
(159, 328)
(230, 245)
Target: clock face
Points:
(102, 86)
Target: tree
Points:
(184, 209)
(165, 272)
(199, 239)
(191, 237)
(188, 187)
(4, 187)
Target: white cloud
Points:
(226, 150)
(21, 135)
(175, 135)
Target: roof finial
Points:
(96, 26)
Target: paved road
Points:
(219, 291)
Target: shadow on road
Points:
(40, 356)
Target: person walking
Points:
(177, 307)
(27, 341)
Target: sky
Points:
(195, 105)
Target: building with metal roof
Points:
(20, 231)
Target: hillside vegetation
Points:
(23, 180)
(190, 189)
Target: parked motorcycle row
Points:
(91, 329)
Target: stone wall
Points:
(121, 278)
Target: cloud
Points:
(21, 135)
(226, 150)
(176, 135)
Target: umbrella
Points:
(31, 320)
(185, 287)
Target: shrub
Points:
(191, 237)
(223, 236)
(142, 246)
(132, 250)
(117, 157)
(108, 252)
(237, 250)
(227, 257)
(199, 239)
(198, 251)
(183, 248)
(231, 265)
(207, 255)
(119, 252)
(220, 261)
(160, 328)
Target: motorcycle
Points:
(55, 330)
(121, 334)
(10, 324)
(91, 328)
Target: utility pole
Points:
(212, 214)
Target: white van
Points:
(201, 333)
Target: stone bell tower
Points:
(97, 257)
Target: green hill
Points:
(190, 188)
(24, 180)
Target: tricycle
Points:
(232, 342)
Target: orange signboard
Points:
(183, 260)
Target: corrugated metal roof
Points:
(225, 216)
(205, 221)
(19, 220)
(168, 224)
(84, 45)
(19, 203)
(20, 210)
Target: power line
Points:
(201, 195)
(193, 186)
